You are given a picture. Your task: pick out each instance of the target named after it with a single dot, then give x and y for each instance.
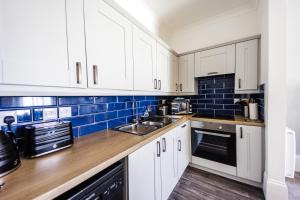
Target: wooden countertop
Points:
(239, 120)
(49, 176)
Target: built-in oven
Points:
(214, 146)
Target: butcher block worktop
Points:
(49, 176)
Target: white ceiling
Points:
(177, 13)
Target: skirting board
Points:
(297, 169)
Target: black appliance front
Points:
(218, 146)
(106, 185)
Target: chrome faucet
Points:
(136, 108)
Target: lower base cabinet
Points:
(154, 169)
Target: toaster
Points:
(45, 138)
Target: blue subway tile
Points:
(81, 120)
(151, 98)
(37, 114)
(95, 108)
(129, 105)
(224, 101)
(209, 91)
(16, 102)
(224, 112)
(105, 116)
(139, 98)
(154, 103)
(124, 113)
(75, 100)
(24, 116)
(84, 130)
(116, 122)
(205, 101)
(230, 91)
(106, 99)
(213, 106)
(214, 96)
(144, 103)
(75, 132)
(228, 96)
(116, 106)
(125, 98)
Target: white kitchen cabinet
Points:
(249, 152)
(168, 173)
(215, 61)
(144, 172)
(144, 57)
(162, 68)
(182, 148)
(173, 67)
(246, 71)
(187, 73)
(108, 47)
(34, 43)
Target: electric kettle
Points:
(9, 155)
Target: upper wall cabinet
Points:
(173, 73)
(187, 73)
(108, 47)
(34, 44)
(246, 70)
(215, 61)
(144, 57)
(163, 68)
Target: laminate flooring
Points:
(294, 187)
(196, 184)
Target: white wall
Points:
(293, 69)
(237, 24)
(275, 186)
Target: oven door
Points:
(216, 146)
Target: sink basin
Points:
(151, 123)
(138, 129)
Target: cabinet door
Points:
(144, 56)
(183, 148)
(187, 73)
(162, 69)
(34, 47)
(173, 72)
(144, 173)
(108, 47)
(246, 65)
(168, 169)
(215, 61)
(249, 152)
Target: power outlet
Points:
(3, 114)
(65, 112)
(49, 113)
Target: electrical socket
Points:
(3, 114)
(49, 113)
(65, 112)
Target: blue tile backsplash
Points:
(89, 114)
(95, 113)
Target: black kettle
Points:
(9, 155)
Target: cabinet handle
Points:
(78, 73)
(184, 125)
(240, 83)
(176, 87)
(155, 83)
(95, 74)
(158, 148)
(181, 87)
(241, 131)
(159, 84)
(179, 145)
(164, 145)
(211, 73)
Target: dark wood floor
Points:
(196, 184)
(294, 187)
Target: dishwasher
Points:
(108, 184)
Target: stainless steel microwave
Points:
(180, 106)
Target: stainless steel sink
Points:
(151, 123)
(138, 129)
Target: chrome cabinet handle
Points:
(155, 83)
(184, 125)
(95, 74)
(241, 131)
(78, 73)
(176, 87)
(211, 73)
(158, 148)
(240, 83)
(213, 134)
(179, 145)
(159, 84)
(164, 145)
(181, 87)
